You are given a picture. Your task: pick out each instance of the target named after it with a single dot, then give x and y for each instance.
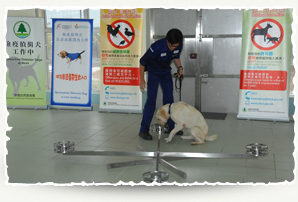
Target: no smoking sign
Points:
(267, 34)
(121, 34)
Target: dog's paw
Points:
(167, 140)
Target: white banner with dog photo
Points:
(25, 46)
(72, 63)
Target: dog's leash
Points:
(178, 89)
(170, 108)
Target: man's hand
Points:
(180, 72)
(142, 84)
(142, 78)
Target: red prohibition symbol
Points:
(267, 34)
(121, 34)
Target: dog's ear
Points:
(163, 114)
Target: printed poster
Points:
(265, 64)
(26, 67)
(121, 46)
(72, 62)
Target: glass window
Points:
(96, 45)
(49, 41)
(95, 15)
(95, 76)
(61, 14)
(96, 62)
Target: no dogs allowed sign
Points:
(267, 34)
(265, 64)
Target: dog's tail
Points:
(82, 52)
(211, 138)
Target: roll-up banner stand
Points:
(72, 64)
(121, 45)
(26, 66)
(265, 64)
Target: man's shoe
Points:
(180, 132)
(145, 135)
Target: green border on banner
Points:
(26, 72)
(270, 98)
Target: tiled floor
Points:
(31, 157)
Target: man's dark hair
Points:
(174, 36)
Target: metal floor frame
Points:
(254, 150)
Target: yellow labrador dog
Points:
(186, 116)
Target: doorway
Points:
(211, 82)
(219, 50)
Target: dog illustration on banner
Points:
(17, 73)
(262, 32)
(71, 56)
(273, 39)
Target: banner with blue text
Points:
(72, 62)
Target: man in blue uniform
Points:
(157, 61)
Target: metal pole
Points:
(173, 168)
(158, 148)
(111, 153)
(162, 154)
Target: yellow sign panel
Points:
(121, 46)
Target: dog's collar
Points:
(170, 108)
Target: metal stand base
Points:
(160, 158)
(165, 157)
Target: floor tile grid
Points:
(272, 166)
(152, 145)
(39, 151)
